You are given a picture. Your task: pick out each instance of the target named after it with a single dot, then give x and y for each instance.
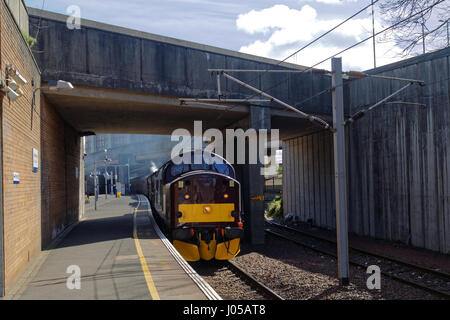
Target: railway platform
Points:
(117, 252)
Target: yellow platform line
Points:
(148, 276)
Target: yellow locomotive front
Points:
(204, 211)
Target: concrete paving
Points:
(111, 260)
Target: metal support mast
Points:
(340, 171)
(95, 185)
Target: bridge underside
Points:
(96, 110)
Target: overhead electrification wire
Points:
(319, 37)
(308, 44)
(352, 46)
(329, 31)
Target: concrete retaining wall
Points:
(20, 13)
(397, 156)
(100, 55)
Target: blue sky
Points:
(261, 27)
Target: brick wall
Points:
(60, 182)
(20, 133)
(46, 202)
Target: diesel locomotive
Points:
(199, 205)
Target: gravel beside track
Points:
(297, 273)
(225, 282)
(422, 277)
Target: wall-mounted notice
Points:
(35, 160)
(16, 178)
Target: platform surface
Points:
(119, 255)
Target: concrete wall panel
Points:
(397, 159)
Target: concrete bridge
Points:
(129, 81)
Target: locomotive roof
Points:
(161, 172)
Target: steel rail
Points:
(358, 264)
(375, 254)
(254, 281)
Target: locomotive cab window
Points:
(173, 171)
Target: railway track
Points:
(233, 282)
(427, 279)
(239, 272)
(253, 281)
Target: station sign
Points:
(35, 160)
(16, 178)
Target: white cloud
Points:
(288, 29)
(276, 17)
(330, 1)
(334, 1)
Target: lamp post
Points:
(106, 173)
(95, 186)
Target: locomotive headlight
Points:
(187, 197)
(225, 195)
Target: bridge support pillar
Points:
(253, 182)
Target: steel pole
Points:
(423, 34)
(448, 34)
(115, 179)
(106, 182)
(373, 35)
(340, 171)
(95, 185)
(128, 176)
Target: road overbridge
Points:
(129, 81)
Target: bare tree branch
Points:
(408, 35)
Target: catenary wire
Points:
(350, 47)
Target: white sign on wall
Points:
(16, 178)
(35, 160)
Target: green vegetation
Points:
(275, 209)
(29, 39)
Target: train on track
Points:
(199, 205)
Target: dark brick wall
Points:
(60, 185)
